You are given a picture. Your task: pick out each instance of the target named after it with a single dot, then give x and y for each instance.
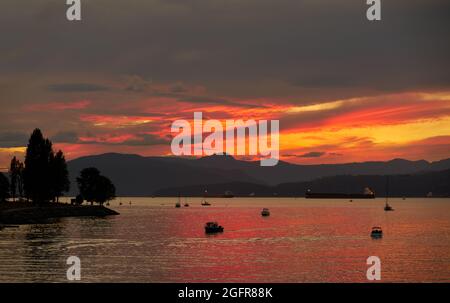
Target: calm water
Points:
(302, 241)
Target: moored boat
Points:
(377, 232)
(205, 203)
(213, 227)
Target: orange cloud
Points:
(114, 121)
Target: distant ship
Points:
(367, 194)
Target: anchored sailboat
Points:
(387, 207)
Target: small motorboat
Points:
(377, 232)
(265, 212)
(213, 227)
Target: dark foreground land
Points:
(27, 213)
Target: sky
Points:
(344, 89)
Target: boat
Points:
(205, 203)
(213, 227)
(265, 212)
(367, 194)
(178, 204)
(185, 203)
(387, 207)
(377, 232)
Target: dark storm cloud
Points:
(65, 137)
(139, 140)
(135, 83)
(313, 154)
(234, 45)
(178, 88)
(13, 139)
(76, 88)
(212, 100)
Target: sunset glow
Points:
(406, 125)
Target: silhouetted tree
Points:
(105, 190)
(4, 188)
(94, 187)
(20, 169)
(59, 175)
(87, 182)
(13, 177)
(45, 175)
(79, 199)
(16, 178)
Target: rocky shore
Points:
(25, 213)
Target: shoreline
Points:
(18, 213)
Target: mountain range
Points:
(136, 175)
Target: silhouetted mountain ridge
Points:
(136, 175)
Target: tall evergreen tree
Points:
(4, 187)
(20, 169)
(13, 177)
(45, 174)
(59, 174)
(37, 181)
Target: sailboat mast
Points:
(387, 189)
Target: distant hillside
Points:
(135, 175)
(416, 185)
